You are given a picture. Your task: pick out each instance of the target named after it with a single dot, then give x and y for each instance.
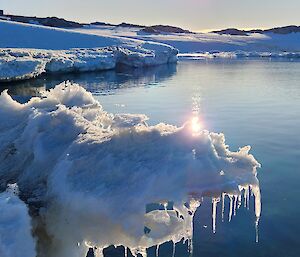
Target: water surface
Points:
(253, 102)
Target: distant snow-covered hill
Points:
(188, 42)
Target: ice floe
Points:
(20, 64)
(239, 54)
(97, 179)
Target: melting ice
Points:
(89, 177)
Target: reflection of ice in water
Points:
(102, 82)
(90, 175)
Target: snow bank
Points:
(15, 226)
(97, 174)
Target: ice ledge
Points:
(22, 64)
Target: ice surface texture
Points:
(20, 64)
(15, 226)
(91, 174)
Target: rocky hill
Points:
(279, 30)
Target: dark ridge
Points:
(49, 21)
(129, 25)
(62, 23)
(100, 23)
(231, 31)
(284, 30)
(279, 30)
(160, 29)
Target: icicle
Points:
(223, 206)
(214, 212)
(248, 198)
(235, 205)
(157, 251)
(230, 207)
(174, 249)
(190, 246)
(239, 201)
(245, 197)
(256, 192)
(256, 230)
(126, 251)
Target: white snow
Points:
(95, 173)
(27, 51)
(15, 226)
(105, 47)
(208, 42)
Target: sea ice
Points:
(21, 64)
(91, 174)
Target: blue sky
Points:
(191, 14)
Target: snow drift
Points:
(93, 176)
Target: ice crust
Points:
(91, 174)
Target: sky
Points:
(196, 15)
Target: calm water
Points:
(253, 102)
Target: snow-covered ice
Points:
(27, 51)
(20, 64)
(92, 174)
(239, 54)
(105, 47)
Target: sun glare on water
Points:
(196, 125)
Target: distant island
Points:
(279, 30)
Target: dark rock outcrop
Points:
(232, 31)
(163, 29)
(49, 21)
(280, 30)
(129, 25)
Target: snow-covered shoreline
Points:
(27, 51)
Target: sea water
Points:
(253, 102)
